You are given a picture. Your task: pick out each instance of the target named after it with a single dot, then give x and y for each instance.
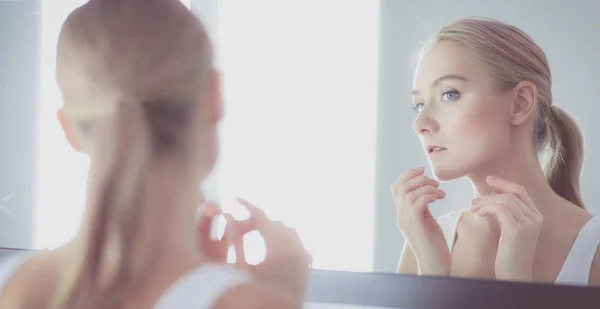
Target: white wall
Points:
(568, 33)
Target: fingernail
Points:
(441, 193)
(242, 201)
(475, 200)
(419, 169)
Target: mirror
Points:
(318, 122)
(573, 68)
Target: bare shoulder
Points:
(253, 296)
(40, 270)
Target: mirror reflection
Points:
(496, 191)
(399, 138)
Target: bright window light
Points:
(61, 172)
(187, 3)
(300, 80)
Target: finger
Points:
(246, 226)
(205, 221)
(215, 250)
(516, 207)
(273, 231)
(407, 176)
(299, 245)
(257, 216)
(520, 192)
(414, 195)
(501, 212)
(510, 187)
(509, 198)
(295, 236)
(233, 235)
(424, 200)
(205, 227)
(210, 209)
(418, 182)
(527, 211)
(235, 238)
(284, 243)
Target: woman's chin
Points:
(442, 174)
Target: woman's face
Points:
(462, 119)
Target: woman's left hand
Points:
(520, 224)
(216, 250)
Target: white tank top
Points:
(201, 288)
(577, 266)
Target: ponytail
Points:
(564, 157)
(130, 139)
(117, 249)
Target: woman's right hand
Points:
(412, 193)
(285, 268)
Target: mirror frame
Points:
(374, 290)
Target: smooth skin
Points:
(518, 228)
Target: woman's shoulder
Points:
(15, 266)
(20, 272)
(580, 231)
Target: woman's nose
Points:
(425, 124)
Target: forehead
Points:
(445, 58)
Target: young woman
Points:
(482, 93)
(142, 99)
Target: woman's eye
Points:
(449, 95)
(419, 107)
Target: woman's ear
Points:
(70, 132)
(524, 104)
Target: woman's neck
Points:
(169, 213)
(169, 227)
(523, 169)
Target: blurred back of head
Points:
(137, 80)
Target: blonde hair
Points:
(136, 70)
(512, 56)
